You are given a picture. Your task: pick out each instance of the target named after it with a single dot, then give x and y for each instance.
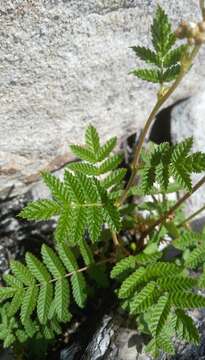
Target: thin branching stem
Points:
(191, 217)
(162, 98)
(115, 239)
(202, 7)
(119, 244)
(163, 217)
(83, 269)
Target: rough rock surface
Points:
(187, 119)
(113, 340)
(17, 235)
(65, 63)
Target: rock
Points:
(187, 119)
(101, 342)
(115, 340)
(70, 352)
(188, 351)
(17, 235)
(65, 64)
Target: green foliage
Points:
(185, 327)
(82, 201)
(166, 161)
(196, 257)
(40, 290)
(193, 246)
(83, 204)
(160, 313)
(151, 75)
(153, 282)
(38, 295)
(142, 301)
(188, 240)
(115, 178)
(97, 153)
(130, 263)
(162, 35)
(162, 291)
(77, 279)
(165, 57)
(41, 210)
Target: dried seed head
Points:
(200, 38)
(192, 29)
(180, 33)
(191, 25)
(184, 24)
(187, 30)
(195, 33)
(191, 41)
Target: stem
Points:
(115, 239)
(86, 268)
(119, 244)
(202, 7)
(138, 151)
(174, 208)
(191, 217)
(161, 100)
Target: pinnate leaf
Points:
(40, 210)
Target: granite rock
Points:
(115, 340)
(65, 64)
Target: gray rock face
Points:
(64, 64)
(114, 340)
(188, 119)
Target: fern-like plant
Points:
(164, 57)
(95, 199)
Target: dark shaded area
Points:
(80, 341)
(18, 235)
(161, 129)
(198, 224)
(138, 340)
